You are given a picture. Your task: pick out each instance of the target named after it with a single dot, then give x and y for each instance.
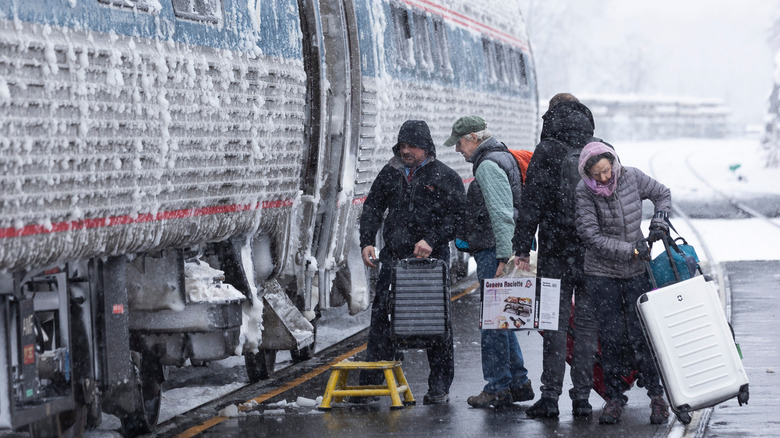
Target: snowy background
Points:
(694, 48)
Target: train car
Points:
(182, 179)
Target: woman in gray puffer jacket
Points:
(608, 219)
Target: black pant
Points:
(380, 346)
(623, 344)
(569, 270)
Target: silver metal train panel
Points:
(116, 144)
(508, 118)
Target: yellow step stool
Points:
(395, 384)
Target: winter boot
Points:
(581, 408)
(523, 393)
(436, 398)
(659, 410)
(546, 407)
(612, 412)
(486, 399)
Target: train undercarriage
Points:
(97, 336)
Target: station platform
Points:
(286, 406)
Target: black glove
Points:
(657, 232)
(641, 250)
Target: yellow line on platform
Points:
(468, 290)
(257, 400)
(211, 422)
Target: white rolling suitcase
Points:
(693, 346)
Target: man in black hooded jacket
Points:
(423, 198)
(548, 203)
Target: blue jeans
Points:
(502, 359)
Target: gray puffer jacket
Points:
(610, 226)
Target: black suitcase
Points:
(420, 303)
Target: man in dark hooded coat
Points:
(423, 199)
(549, 204)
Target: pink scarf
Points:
(591, 150)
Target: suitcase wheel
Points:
(684, 417)
(743, 395)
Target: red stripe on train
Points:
(30, 230)
(466, 21)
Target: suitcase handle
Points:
(418, 260)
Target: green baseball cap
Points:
(465, 125)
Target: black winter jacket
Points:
(425, 209)
(542, 201)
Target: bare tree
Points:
(569, 58)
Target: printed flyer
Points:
(520, 303)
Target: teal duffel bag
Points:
(684, 259)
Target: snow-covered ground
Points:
(734, 167)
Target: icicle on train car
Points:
(182, 179)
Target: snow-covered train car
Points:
(181, 179)
(141, 140)
(436, 61)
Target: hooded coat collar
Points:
(569, 122)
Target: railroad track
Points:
(714, 265)
(685, 169)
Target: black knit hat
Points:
(417, 134)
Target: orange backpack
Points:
(523, 157)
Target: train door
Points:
(344, 103)
(333, 68)
(315, 144)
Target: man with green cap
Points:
(487, 228)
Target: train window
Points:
(517, 65)
(209, 11)
(501, 64)
(403, 34)
(139, 5)
(422, 42)
(441, 47)
(523, 73)
(490, 58)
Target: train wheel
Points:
(94, 414)
(149, 378)
(70, 424)
(260, 365)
